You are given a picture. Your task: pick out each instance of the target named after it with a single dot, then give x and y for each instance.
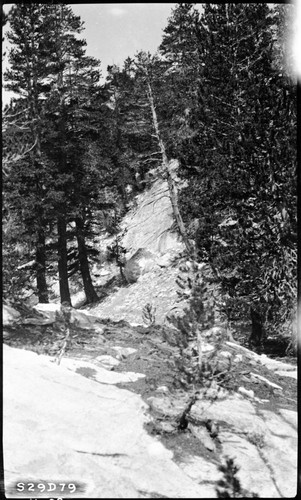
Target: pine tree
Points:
(25, 78)
(116, 90)
(77, 91)
(182, 80)
(241, 139)
(63, 51)
(136, 150)
(60, 84)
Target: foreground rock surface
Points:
(264, 443)
(60, 426)
(9, 315)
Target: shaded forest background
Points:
(217, 96)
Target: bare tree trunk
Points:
(41, 268)
(62, 217)
(170, 181)
(37, 156)
(63, 260)
(90, 292)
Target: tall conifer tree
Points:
(57, 83)
(239, 155)
(25, 78)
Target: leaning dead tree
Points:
(143, 66)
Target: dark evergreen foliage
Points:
(238, 151)
(217, 97)
(59, 92)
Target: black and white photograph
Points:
(149, 250)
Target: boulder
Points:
(107, 361)
(234, 411)
(79, 318)
(202, 434)
(140, 263)
(169, 407)
(167, 259)
(123, 352)
(9, 315)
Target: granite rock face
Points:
(263, 443)
(9, 315)
(152, 248)
(151, 223)
(62, 427)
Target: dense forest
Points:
(217, 96)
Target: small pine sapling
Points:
(149, 314)
(229, 486)
(198, 316)
(117, 252)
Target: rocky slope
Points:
(109, 406)
(149, 226)
(60, 427)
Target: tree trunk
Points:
(41, 248)
(170, 181)
(257, 334)
(63, 261)
(41, 268)
(90, 293)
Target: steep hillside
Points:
(167, 412)
(149, 231)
